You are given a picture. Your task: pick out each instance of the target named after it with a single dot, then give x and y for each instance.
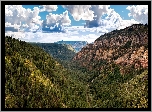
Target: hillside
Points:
(77, 45)
(35, 80)
(58, 51)
(110, 73)
(116, 59)
(126, 47)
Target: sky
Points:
(52, 23)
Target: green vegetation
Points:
(127, 45)
(58, 51)
(120, 91)
(34, 79)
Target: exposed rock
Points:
(126, 47)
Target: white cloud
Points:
(90, 37)
(71, 35)
(99, 11)
(48, 8)
(80, 30)
(16, 14)
(62, 19)
(32, 16)
(56, 22)
(101, 30)
(139, 13)
(9, 26)
(34, 27)
(80, 12)
(111, 22)
(87, 12)
(15, 34)
(25, 26)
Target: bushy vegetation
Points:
(34, 79)
(114, 90)
(58, 51)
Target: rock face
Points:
(125, 47)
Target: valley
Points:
(112, 72)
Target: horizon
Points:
(52, 23)
(79, 40)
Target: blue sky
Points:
(51, 23)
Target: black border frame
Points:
(3, 3)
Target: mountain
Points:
(126, 47)
(77, 45)
(119, 63)
(34, 79)
(112, 72)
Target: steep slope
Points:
(127, 47)
(119, 65)
(33, 79)
(111, 90)
(110, 73)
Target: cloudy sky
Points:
(51, 23)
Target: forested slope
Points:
(94, 79)
(35, 80)
(58, 51)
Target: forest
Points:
(39, 75)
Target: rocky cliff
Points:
(126, 47)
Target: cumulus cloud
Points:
(48, 8)
(98, 10)
(80, 12)
(90, 13)
(16, 14)
(111, 22)
(55, 22)
(139, 13)
(27, 25)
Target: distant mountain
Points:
(77, 45)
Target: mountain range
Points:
(111, 72)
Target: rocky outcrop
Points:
(125, 47)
